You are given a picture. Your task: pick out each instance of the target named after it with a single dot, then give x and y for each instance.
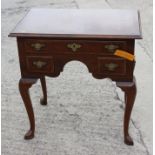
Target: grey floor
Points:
(84, 115)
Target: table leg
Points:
(43, 100)
(130, 93)
(24, 85)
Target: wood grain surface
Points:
(112, 23)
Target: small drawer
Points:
(112, 66)
(74, 47)
(36, 64)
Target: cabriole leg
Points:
(43, 100)
(24, 85)
(130, 93)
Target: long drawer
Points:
(71, 46)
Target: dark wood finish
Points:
(43, 100)
(57, 59)
(48, 39)
(24, 85)
(112, 66)
(39, 64)
(130, 90)
(59, 46)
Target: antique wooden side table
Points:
(49, 38)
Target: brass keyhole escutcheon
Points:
(111, 66)
(111, 48)
(37, 46)
(74, 46)
(39, 64)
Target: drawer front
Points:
(36, 64)
(71, 46)
(112, 66)
(33, 45)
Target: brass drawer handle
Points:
(111, 66)
(39, 64)
(74, 46)
(111, 48)
(37, 46)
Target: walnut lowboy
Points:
(44, 48)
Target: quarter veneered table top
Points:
(80, 23)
